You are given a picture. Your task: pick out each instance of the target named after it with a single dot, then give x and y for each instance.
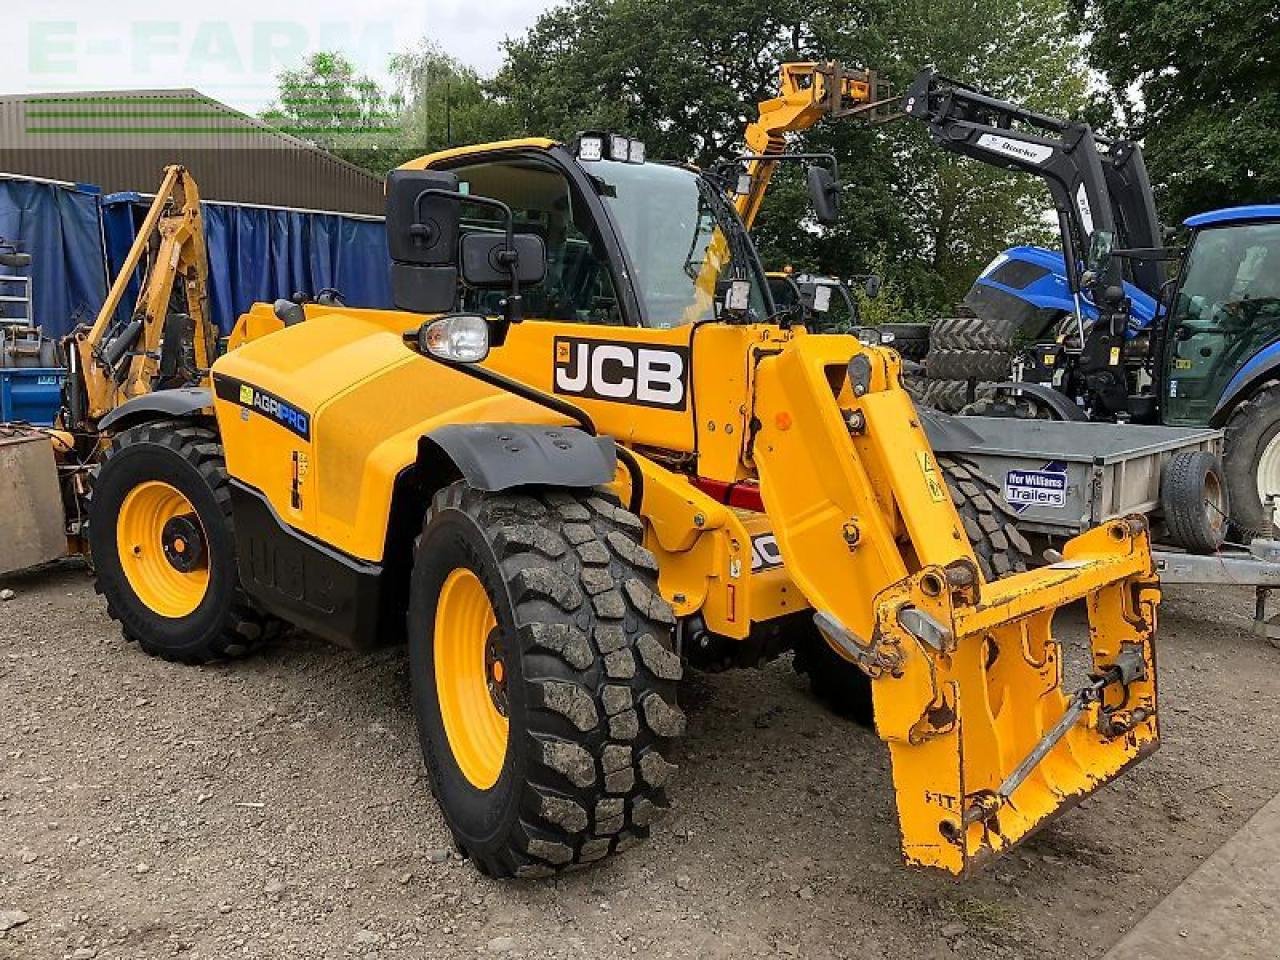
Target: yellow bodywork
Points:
(968, 678)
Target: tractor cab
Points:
(1224, 316)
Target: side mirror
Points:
(486, 261)
(824, 194)
(873, 285)
(422, 238)
(15, 260)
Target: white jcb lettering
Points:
(577, 381)
(660, 377)
(622, 372)
(619, 387)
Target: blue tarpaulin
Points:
(61, 227)
(259, 254)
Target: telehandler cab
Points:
(583, 453)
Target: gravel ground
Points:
(277, 808)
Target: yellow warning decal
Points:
(930, 470)
(1115, 356)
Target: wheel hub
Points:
(183, 542)
(495, 671)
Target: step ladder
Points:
(15, 302)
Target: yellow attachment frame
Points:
(968, 677)
(171, 240)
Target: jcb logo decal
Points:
(764, 553)
(622, 372)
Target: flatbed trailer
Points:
(1063, 477)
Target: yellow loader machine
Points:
(585, 452)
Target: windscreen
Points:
(682, 237)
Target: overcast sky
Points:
(233, 49)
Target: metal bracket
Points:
(873, 658)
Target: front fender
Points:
(500, 456)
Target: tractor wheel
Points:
(163, 548)
(950, 396)
(544, 682)
(911, 340)
(1251, 463)
(988, 521)
(964, 348)
(1000, 550)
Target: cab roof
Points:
(1213, 218)
(431, 159)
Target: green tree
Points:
(1199, 82)
(328, 102)
(442, 103)
(686, 76)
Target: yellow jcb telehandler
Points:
(570, 462)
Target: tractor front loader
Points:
(572, 461)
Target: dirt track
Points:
(277, 808)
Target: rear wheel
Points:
(163, 549)
(543, 676)
(999, 548)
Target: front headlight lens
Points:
(462, 338)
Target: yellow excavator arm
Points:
(807, 94)
(113, 362)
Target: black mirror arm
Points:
(507, 257)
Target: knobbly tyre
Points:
(584, 450)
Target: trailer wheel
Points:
(163, 548)
(1000, 550)
(544, 682)
(1193, 495)
(1251, 462)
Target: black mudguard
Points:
(160, 405)
(499, 456)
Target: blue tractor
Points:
(1109, 332)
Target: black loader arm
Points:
(1064, 154)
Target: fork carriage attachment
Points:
(986, 743)
(968, 685)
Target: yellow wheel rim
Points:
(163, 549)
(471, 678)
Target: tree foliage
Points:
(686, 75)
(328, 102)
(686, 78)
(1199, 82)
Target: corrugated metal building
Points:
(122, 140)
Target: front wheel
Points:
(1251, 463)
(543, 676)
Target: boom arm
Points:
(808, 93)
(1097, 184)
(113, 363)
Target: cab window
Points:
(579, 285)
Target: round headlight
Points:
(461, 337)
